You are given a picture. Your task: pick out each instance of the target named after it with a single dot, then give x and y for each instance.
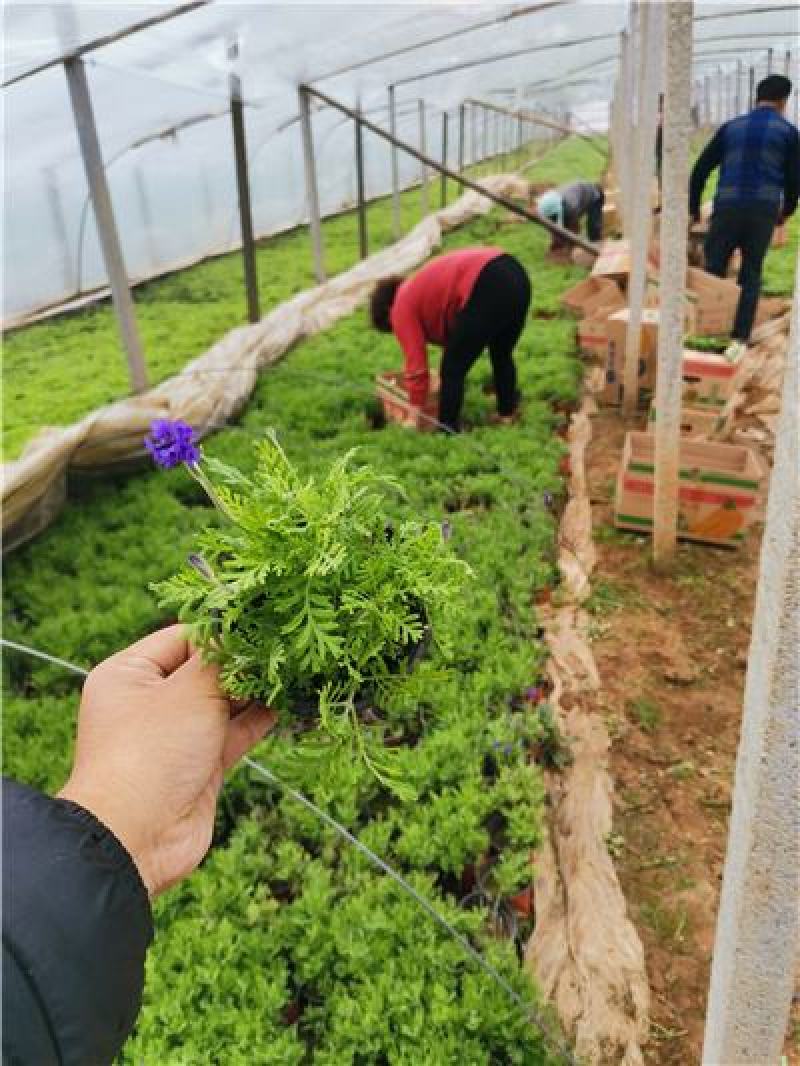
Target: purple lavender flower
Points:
(534, 694)
(447, 531)
(547, 500)
(171, 442)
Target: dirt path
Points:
(672, 655)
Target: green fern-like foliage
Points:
(310, 601)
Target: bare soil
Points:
(672, 654)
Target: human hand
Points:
(155, 737)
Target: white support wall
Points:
(758, 926)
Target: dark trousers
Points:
(493, 317)
(750, 230)
(594, 222)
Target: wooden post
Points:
(641, 209)
(423, 147)
(312, 191)
(363, 239)
(395, 165)
(104, 216)
(674, 228)
(243, 187)
(754, 964)
(462, 119)
(445, 119)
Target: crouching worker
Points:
(463, 302)
(568, 204)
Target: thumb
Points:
(245, 731)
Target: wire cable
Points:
(555, 1042)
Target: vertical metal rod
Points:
(739, 67)
(395, 164)
(83, 114)
(707, 98)
(674, 227)
(787, 63)
(769, 60)
(56, 209)
(462, 119)
(243, 188)
(147, 217)
(751, 98)
(312, 190)
(444, 157)
(485, 151)
(363, 239)
(423, 147)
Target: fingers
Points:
(245, 731)
(160, 653)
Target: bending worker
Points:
(568, 204)
(463, 302)
(758, 155)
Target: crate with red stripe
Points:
(720, 490)
(393, 395)
(711, 379)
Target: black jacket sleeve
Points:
(709, 158)
(791, 187)
(76, 927)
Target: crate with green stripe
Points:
(720, 493)
(710, 378)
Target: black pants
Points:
(749, 230)
(493, 317)
(594, 222)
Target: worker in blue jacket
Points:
(758, 155)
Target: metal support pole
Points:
(243, 187)
(56, 209)
(757, 940)
(707, 99)
(363, 240)
(739, 86)
(674, 228)
(485, 151)
(147, 217)
(104, 217)
(787, 63)
(423, 147)
(769, 60)
(720, 114)
(395, 165)
(751, 97)
(460, 179)
(641, 214)
(312, 191)
(462, 119)
(444, 158)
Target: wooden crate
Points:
(391, 391)
(720, 494)
(592, 295)
(710, 379)
(713, 302)
(593, 334)
(698, 423)
(617, 330)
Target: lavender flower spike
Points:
(171, 443)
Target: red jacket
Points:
(426, 306)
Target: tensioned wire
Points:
(555, 1042)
